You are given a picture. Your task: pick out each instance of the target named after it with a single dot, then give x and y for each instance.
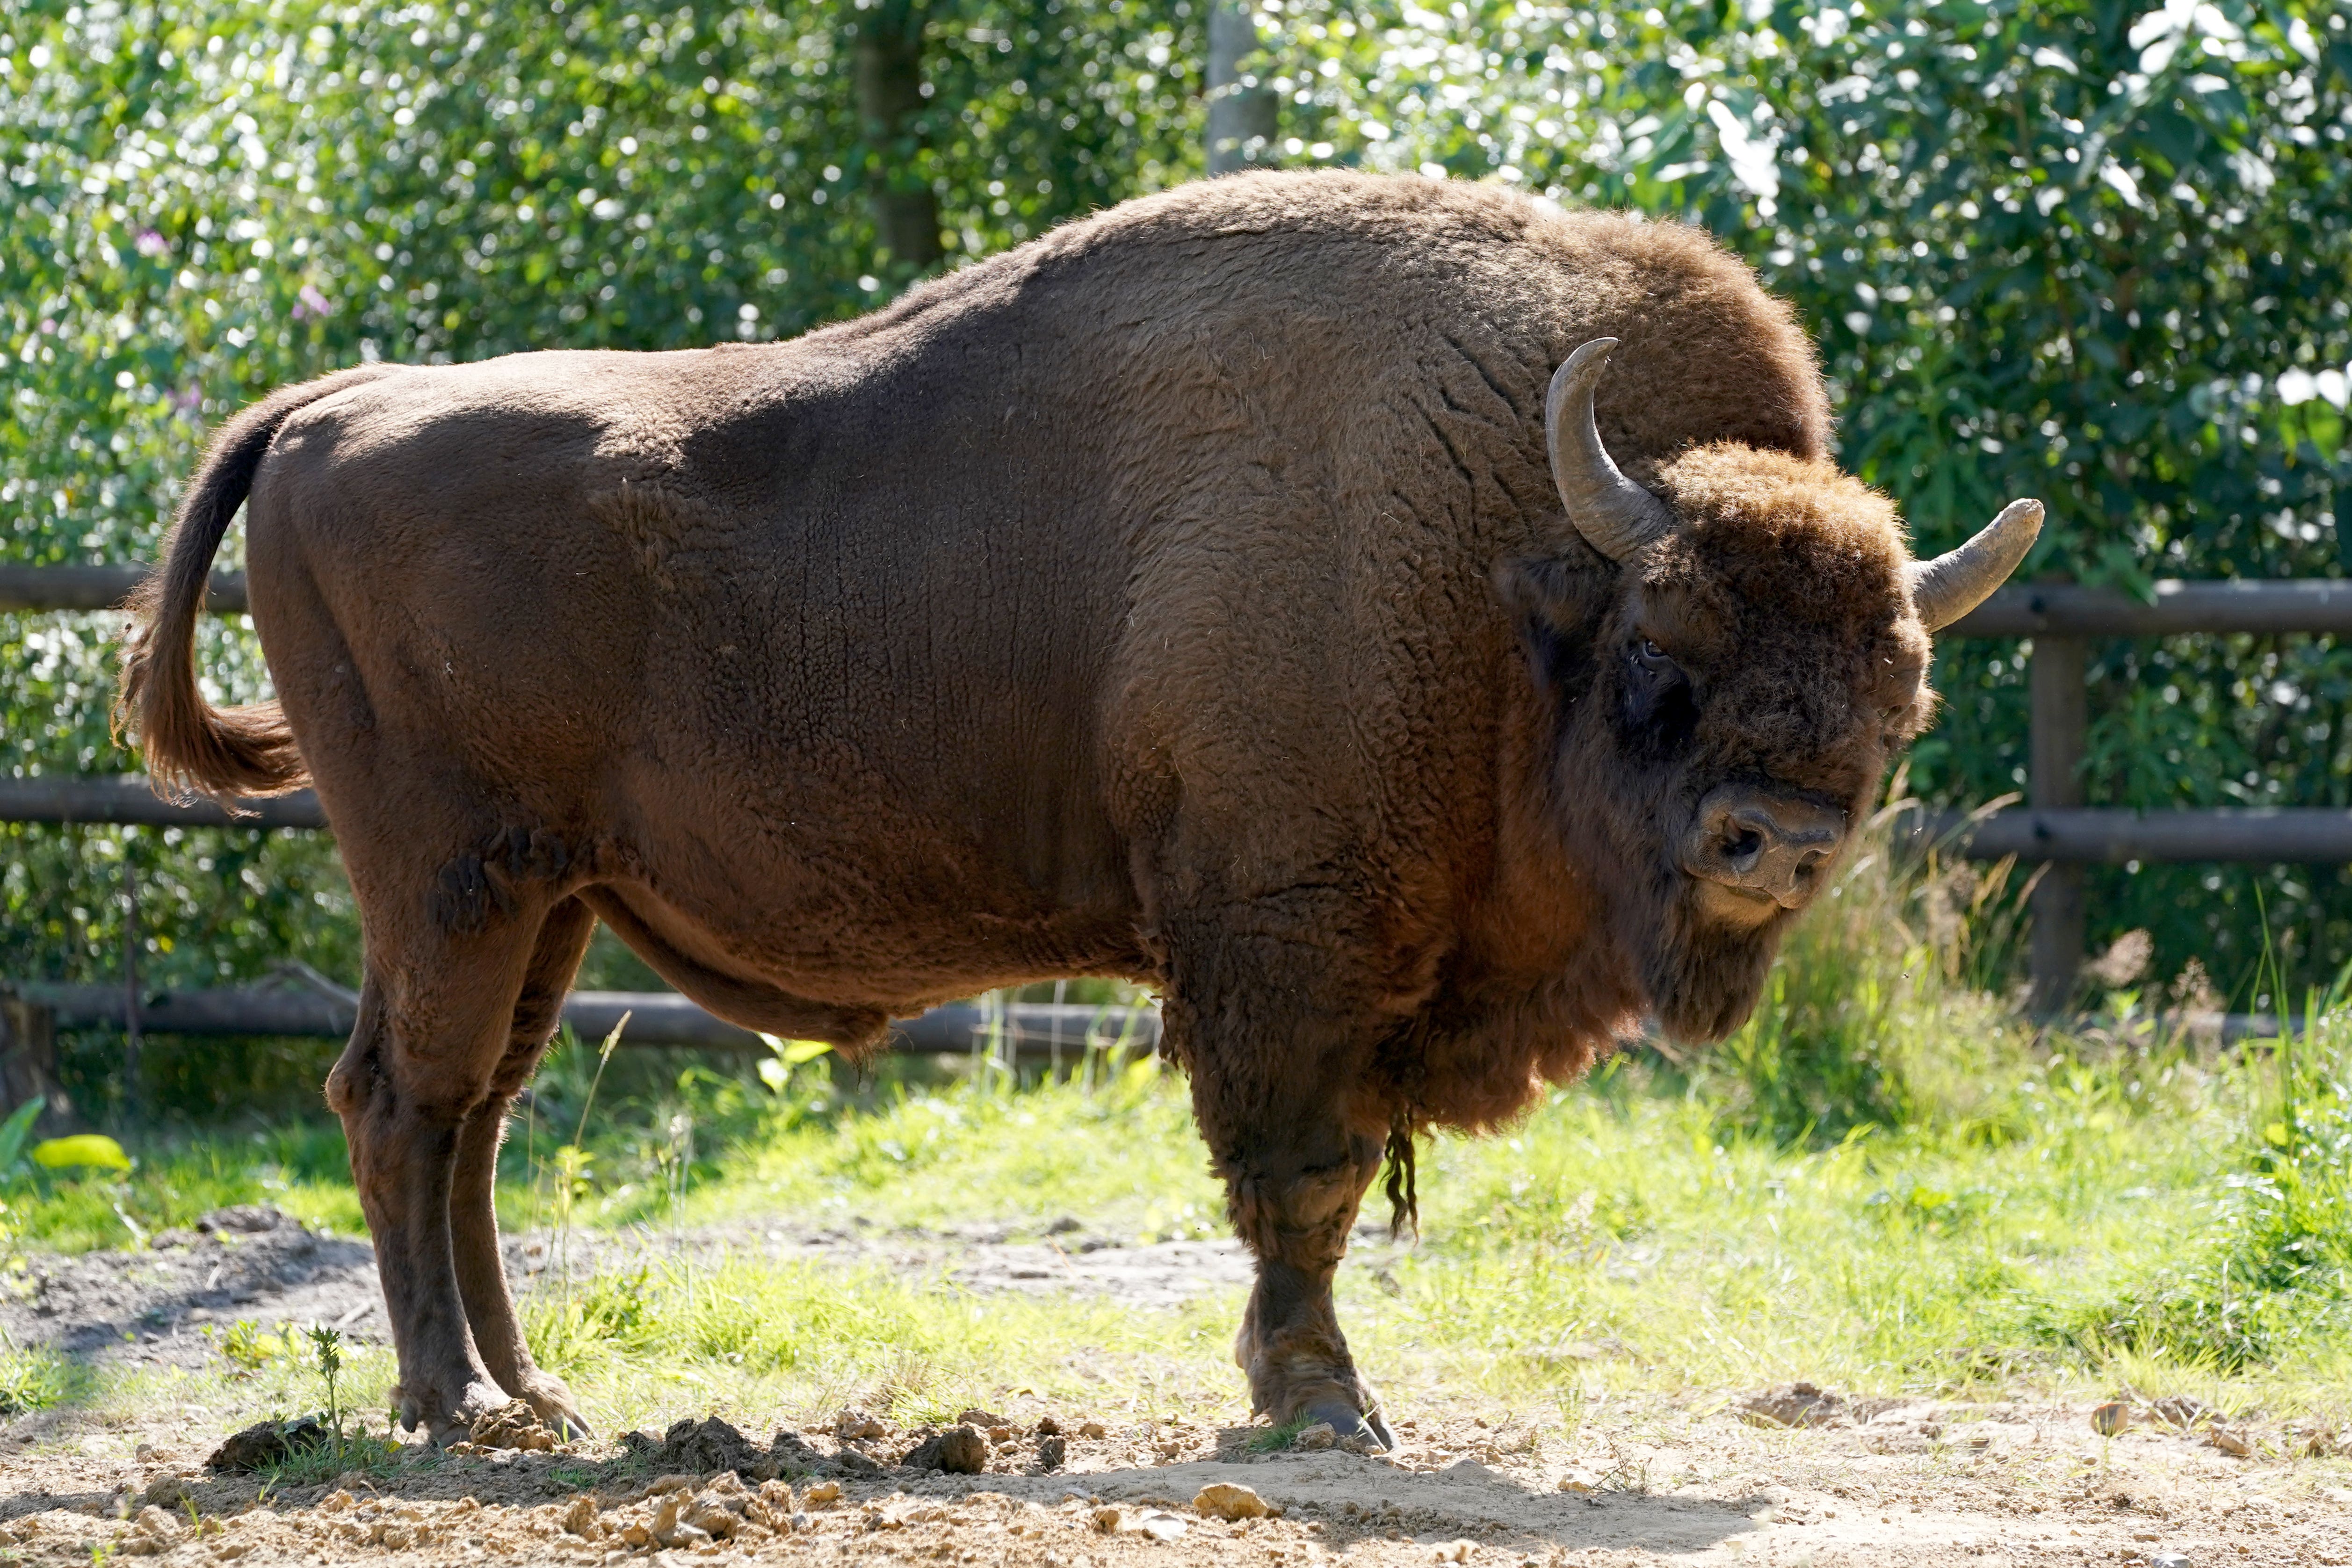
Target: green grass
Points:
(1885, 1182)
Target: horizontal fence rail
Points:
(2180, 609)
(100, 587)
(2265, 835)
(130, 799)
(1032, 1030)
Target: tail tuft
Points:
(189, 745)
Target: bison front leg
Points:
(1279, 1060)
(1293, 1198)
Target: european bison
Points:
(1232, 591)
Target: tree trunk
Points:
(1241, 112)
(888, 55)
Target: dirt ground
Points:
(1649, 1479)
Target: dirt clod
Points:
(1225, 1499)
(513, 1425)
(705, 1447)
(1791, 1405)
(1319, 1436)
(959, 1450)
(853, 1426)
(983, 1420)
(580, 1519)
(2233, 1441)
(267, 1443)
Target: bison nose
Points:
(1769, 846)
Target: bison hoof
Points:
(449, 1421)
(1362, 1428)
(551, 1402)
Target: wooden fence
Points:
(2056, 825)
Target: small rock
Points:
(2180, 1410)
(2233, 1440)
(823, 1494)
(1104, 1520)
(1465, 1470)
(144, 1453)
(854, 1425)
(1092, 1430)
(246, 1218)
(2112, 1420)
(580, 1519)
(711, 1515)
(1160, 1526)
(671, 1527)
(857, 1464)
(959, 1451)
(1224, 1500)
(1048, 1427)
(1052, 1453)
(983, 1420)
(1319, 1436)
(2165, 1560)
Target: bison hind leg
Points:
(473, 1205)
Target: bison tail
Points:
(190, 745)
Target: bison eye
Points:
(1659, 706)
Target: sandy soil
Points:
(1637, 1481)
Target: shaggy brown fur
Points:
(1184, 596)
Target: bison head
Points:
(1725, 703)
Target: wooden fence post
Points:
(2058, 684)
(28, 1061)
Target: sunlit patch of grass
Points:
(752, 1339)
(1123, 1155)
(301, 1168)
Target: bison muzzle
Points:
(1416, 630)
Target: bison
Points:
(1417, 630)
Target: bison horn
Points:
(1948, 587)
(1615, 516)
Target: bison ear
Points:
(1557, 607)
